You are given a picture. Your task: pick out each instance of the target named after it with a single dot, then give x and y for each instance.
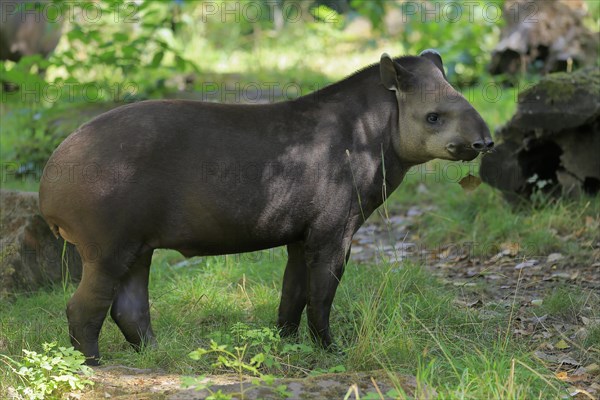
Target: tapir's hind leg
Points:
(130, 307)
(294, 292)
(88, 307)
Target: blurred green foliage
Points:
(374, 10)
(117, 41)
(464, 35)
(147, 43)
(116, 51)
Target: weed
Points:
(242, 360)
(49, 374)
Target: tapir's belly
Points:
(227, 236)
(215, 219)
(200, 248)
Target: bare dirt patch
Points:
(117, 382)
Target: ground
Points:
(122, 382)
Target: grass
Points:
(391, 317)
(483, 219)
(564, 303)
(592, 340)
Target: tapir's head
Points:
(435, 121)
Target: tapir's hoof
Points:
(336, 349)
(325, 342)
(148, 343)
(329, 346)
(288, 331)
(92, 361)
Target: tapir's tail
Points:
(57, 231)
(54, 229)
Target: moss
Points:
(560, 87)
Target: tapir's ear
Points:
(393, 76)
(387, 73)
(435, 58)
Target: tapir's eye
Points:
(433, 118)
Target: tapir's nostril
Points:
(479, 145)
(482, 145)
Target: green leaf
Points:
(108, 57)
(76, 34)
(197, 354)
(131, 52)
(120, 37)
(180, 63)
(55, 370)
(258, 359)
(157, 59)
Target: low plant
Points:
(242, 359)
(50, 374)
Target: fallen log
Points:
(552, 142)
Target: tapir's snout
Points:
(468, 146)
(483, 145)
(465, 151)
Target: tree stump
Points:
(30, 256)
(544, 36)
(552, 142)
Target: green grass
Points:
(484, 218)
(592, 340)
(392, 317)
(564, 303)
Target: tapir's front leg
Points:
(325, 269)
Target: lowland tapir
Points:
(208, 179)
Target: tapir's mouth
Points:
(461, 153)
(471, 156)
